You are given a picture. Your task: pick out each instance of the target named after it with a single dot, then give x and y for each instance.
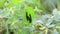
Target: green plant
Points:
(45, 16)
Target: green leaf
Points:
(28, 15)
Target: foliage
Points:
(45, 16)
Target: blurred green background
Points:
(45, 16)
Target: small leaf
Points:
(28, 15)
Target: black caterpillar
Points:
(28, 17)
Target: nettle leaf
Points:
(28, 15)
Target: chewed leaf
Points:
(28, 14)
